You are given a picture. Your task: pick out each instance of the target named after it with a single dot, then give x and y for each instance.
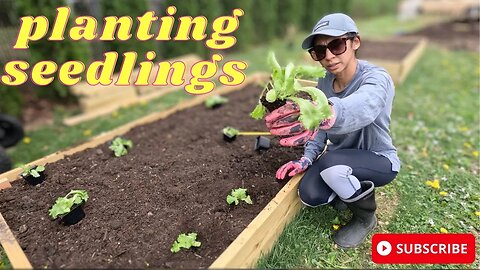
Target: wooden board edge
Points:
(14, 252)
(261, 234)
(410, 60)
(13, 174)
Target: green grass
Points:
(435, 122)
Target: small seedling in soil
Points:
(63, 205)
(185, 241)
(237, 195)
(230, 132)
(120, 146)
(284, 86)
(33, 171)
(215, 101)
(33, 175)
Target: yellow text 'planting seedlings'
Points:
(119, 28)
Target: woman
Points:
(361, 155)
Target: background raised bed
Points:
(174, 180)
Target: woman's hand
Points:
(284, 122)
(293, 167)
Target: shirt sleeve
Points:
(360, 108)
(315, 147)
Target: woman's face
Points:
(340, 52)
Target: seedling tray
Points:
(243, 233)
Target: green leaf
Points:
(34, 173)
(310, 115)
(288, 89)
(175, 248)
(248, 200)
(258, 112)
(237, 195)
(231, 199)
(120, 145)
(309, 72)
(215, 100)
(185, 241)
(40, 168)
(271, 95)
(63, 205)
(230, 132)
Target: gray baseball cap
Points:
(335, 25)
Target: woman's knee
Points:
(312, 198)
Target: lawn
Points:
(435, 125)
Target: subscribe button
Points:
(423, 248)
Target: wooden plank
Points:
(4, 184)
(113, 95)
(261, 234)
(104, 137)
(14, 252)
(410, 60)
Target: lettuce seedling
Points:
(63, 205)
(185, 241)
(120, 146)
(215, 101)
(29, 170)
(284, 86)
(230, 132)
(237, 195)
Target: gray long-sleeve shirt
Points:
(363, 114)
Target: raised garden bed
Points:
(174, 180)
(397, 55)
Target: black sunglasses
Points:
(336, 46)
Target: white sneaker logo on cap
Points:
(320, 25)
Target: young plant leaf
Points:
(63, 205)
(29, 170)
(237, 195)
(230, 132)
(285, 86)
(185, 241)
(215, 101)
(120, 146)
(271, 95)
(259, 111)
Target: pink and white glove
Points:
(293, 167)
(284, 122)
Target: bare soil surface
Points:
(174, 180)
(387, 50)
(453, 35)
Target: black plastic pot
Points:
(31, 180)
(229, 139)
(74, 216)
(262, 143)
(271, 106)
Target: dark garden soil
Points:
(388, 50)
(454, 35)
(174, 180)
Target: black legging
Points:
(365, 165)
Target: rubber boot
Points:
(363, 221)
(338, 204)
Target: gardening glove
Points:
(293, 167)
(329, 122)
(284, 122)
